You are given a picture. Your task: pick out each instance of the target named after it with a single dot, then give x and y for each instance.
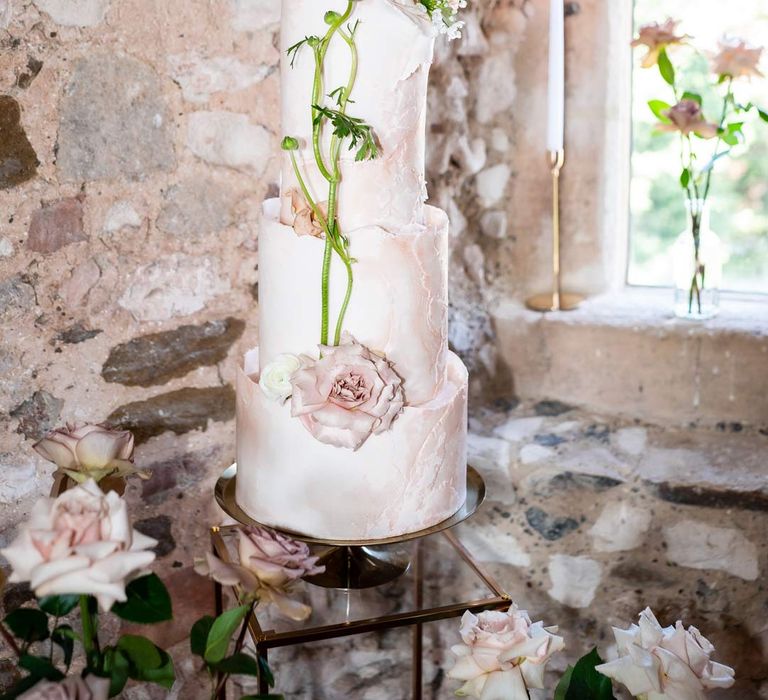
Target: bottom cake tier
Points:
(407, 479)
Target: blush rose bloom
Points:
(686, 117)
(298, 213)
(736, 59)
(80, 543)
(71, 688)
(346, 396)
(503, 654)
(89, 451)
(656, 37)
(269, 565)
(665, 663)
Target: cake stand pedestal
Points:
(374, 585)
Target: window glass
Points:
(739, 194)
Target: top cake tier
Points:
(395, 47)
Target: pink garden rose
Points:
(686, 117)
(503, 654)
(71, 688)
(656, 37)
(736, 59)
(269, 564)
(665, 663)
(346, 396)
(89, 451)
(80, 543)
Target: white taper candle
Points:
(556, 84)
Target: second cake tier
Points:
(399, 304)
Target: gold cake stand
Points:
(355, 564)
(371, 586)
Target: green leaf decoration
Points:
(658, 107)
(140, 651)
(763, 114)
(58, 605)
(239, 664)
(117, 667)
(666, 68)
(585, 683)
(40, 668)
(198, 636)
(359, 133)
(685, 178)
(164, 675)
(692, 96)
(64, 636)
(562, 687)
(266, 672)
(28, 625)
(221, 632)
(148, 601)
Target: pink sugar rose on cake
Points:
(503, 654)
(347, 395)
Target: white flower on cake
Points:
(503, 654)
(80, 543)
(348, 395)
(275, 378)
(665, 663)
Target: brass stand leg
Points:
(263, 653)
(417, 638)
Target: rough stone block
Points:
(75, 13)
(196, 207)
(620, 527)
(158, 357)
(201, 77)
(114, 121)
(37, 415)
(18, 160)
(57, 225)
(227, 138)
(574, 579)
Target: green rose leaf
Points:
(64, 636)
(266, 672)
(140, 651)
(148, 601)
(658, 107)
(58, 605)
(40, 667)
(685, 178)
(239, 664)
(117, 667)
(198, 636)
(28, 624)
(221, 632)
(585, 683)
(692, 96)
(666, 68)
(163, 675)
(562, 687)
(763, 114)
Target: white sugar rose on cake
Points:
(352, 412)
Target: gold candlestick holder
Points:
(556, 300)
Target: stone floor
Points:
(588, 520)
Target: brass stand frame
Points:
(416, 618)
(556, 300)
(264, 640)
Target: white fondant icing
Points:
(406, 479)
(395, 47)
(399, 303)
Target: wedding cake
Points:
(351, 413)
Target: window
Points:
(739, 195)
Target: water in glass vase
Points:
(698, 270)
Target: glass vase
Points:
(697, 258)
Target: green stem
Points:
(90, 636)
(347, 297)
(305, 191)
(325, 294)
(723, 115)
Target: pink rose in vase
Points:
(686, 117)
(736, 59)
(346, 396)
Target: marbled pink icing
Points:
(395, 51)
(399, 303)
(406, 479)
